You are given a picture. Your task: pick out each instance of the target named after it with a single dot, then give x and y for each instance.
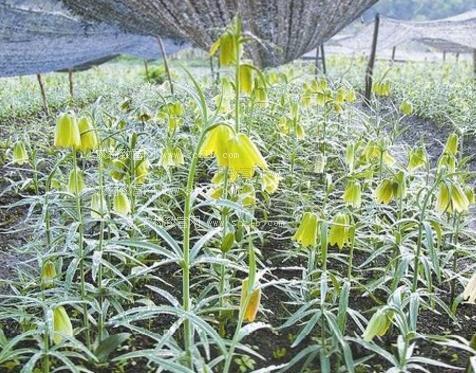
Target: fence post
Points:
(70, 79)
(317, 61)
(43, 93)
(370, 66)
(166, 64)
(323, 57)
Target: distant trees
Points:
(421, 9)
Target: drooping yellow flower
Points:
(469, 293)
(447, 162)
(306, 234)
(62, 326)
(248, 196)
(252, 307)
(142, 170)
(121, 203)
(67, 133)
(452, 143)
(20, 155)
(118, 169)
(226, 45)
(270, 181)
(244, 157)
(417, 158)
(378, 324)
(246, 78)
(353, 194)
(88, 136)
(98, 206)
(443, 201)
(406, 108)
(385, 191)
(48, 273)
(339, 232)
(76, 181)
(215, 143)
(469, 191)
(452, 198)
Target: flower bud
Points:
(121, 203)
(142, 170)
(306, 234)
(98, 206)
(88, 136)
(76, 181)
(48, 273)
(67, 133)
(253, 304)
(61, 325)
(20, 156)
(406, 108)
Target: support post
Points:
(70, 79)
(371, 64)
(474, 63)
(317, 60)
(444, 56)
(457, 57)
(323, 58)
(146, 67)
(166, 64)
(394, 50)
(43, 94)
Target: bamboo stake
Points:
(146, 66)
(43, 94)
(166, 64)
(317, 60)
(371, 64)
(70, 78)
(323, 58)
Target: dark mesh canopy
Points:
(286, 28)
(42, 36)
(454, 34)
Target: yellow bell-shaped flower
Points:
(406, 108)
(118, 169)
(417, 158)
(246, 78)
(244, 157)
(270, 182)
(378, 324)
(48, 273)
(339, 232)
(67, 133)
(142, 170)
(353, 194)
(306, 234)
(215, 143)
(98, 206)
(443, 201)
(62, 326)
(76, 181)
(469, 293)
(20, 155)
(452, 143)
(121, 203)
(385, 191)
(252, 307)
(89, 140)
(459, 200)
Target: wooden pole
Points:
(457, 57)
(166, 64)
(394, 49)
(444, 56)
(323, 57)
(43, 94)
(317, 60)
(146, 67)
(212, 69)
(371, 64)
(70, 79)
(474, 63)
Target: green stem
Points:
(237, 84)
(81, 251)
(101, 243)
(186, 304)
(351, 253)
